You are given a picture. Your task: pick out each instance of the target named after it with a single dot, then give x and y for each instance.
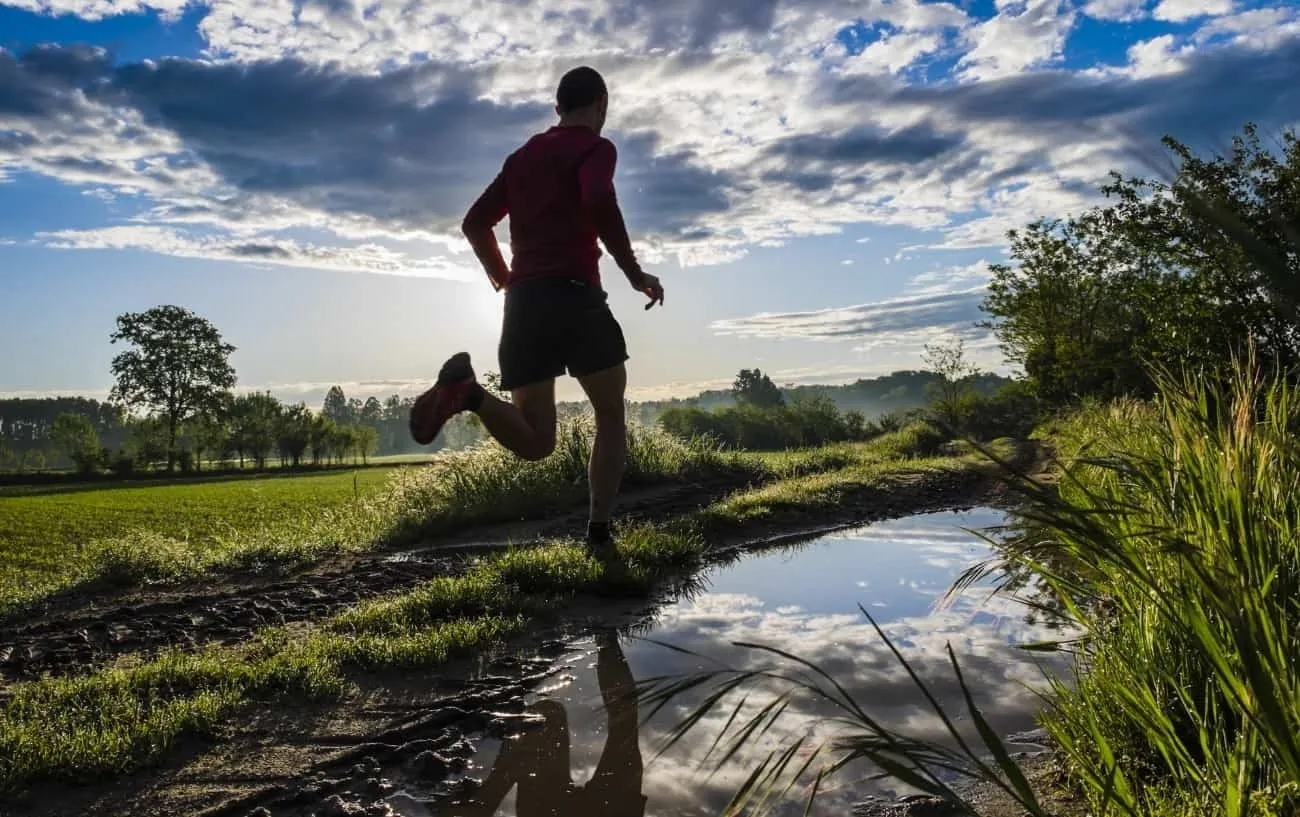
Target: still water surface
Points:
(590, 758)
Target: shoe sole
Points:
(425, 422)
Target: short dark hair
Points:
(579, 88)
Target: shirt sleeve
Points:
(485, 214)
(490, 207)
(596, 174)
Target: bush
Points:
(1012, 411)
(804, 423)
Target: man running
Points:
(558, 190)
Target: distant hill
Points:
(873, 397)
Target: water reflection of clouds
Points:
(776, 602)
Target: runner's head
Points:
(582, 98)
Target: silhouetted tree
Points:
(293, 433)
(365, 440)
(336, 405)
(254, 420)
(754, 388)
(179, 366)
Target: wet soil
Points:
(338, 758)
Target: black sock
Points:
(474, 400)
(598, 533)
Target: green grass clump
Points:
(1187, 513)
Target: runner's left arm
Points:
(484, 215)
(601, 202)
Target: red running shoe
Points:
(448, 397)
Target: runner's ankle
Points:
(599, 533)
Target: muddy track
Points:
(225, 609)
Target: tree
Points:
(1183, 274)
(947, 358)
(322, 434)
(254, 420)
(208, 435)
(365, 440)
(179, 366)
(754, 388)
(336, 406)
(77, 439)
(148, 440)
(293, 433)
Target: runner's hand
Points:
(652, 289)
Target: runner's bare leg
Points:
(527, 425)
(606, 391)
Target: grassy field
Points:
(114, 720)
(44, 528)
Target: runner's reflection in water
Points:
(538, 760)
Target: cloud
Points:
(1178, 11)
(1259, 29)
(740, 124)
(1116, 10)
(99, 9)
(1022, 35)
(368, 258)
(948, 311)
(951, 279)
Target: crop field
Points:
(43, 527)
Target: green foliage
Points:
(254, 421)
(177, 365)
(1171, 274)
(1187, 520)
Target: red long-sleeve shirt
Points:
(558, 189)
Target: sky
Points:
(820, 184)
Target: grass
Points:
(55, 539)
(115, 720)
(41, 523)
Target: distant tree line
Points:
(761, 416)
(173, 407)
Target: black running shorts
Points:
(556, 324)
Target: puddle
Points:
(587, 760)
